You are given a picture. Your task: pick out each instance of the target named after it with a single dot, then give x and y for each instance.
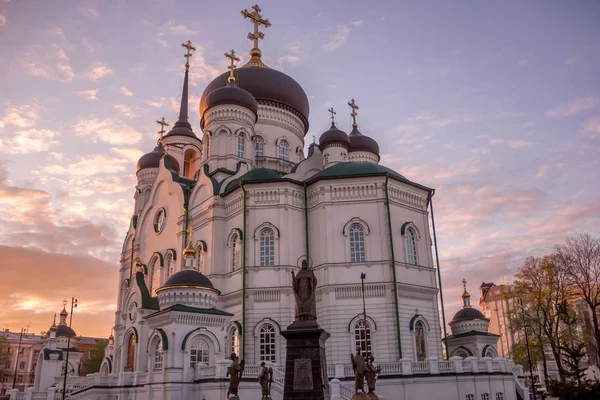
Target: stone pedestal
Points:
(305, 364)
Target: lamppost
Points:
(17, 357)
(362, 278)
(73, 305)
(527, 346)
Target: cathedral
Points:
(225, 212)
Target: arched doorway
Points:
(130, 365)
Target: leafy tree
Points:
(518, 353)
(94, 362)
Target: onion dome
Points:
(360, 142)
(468, 318)
(187, 278)
(231, 94)
(334, 135)
(152, 159)
(64, 331)
(468, 314)
(264, 84)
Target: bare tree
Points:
(580, 258)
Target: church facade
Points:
(223, 215)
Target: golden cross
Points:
(190, 232)
(188, 54)
(354, 107)
(232, 59)
(333, 113)
(464, 281)
(257, 20)
(64, 303)
(162, 124)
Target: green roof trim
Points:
(204, 246)
(240, 232)
(160, 258)
(163, 337)
(174, 253)
(215, 184)
(256, 175)
(240, 328)
(135, 334)
(148, 302)
(413, 320)
(404, 227)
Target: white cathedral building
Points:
(223, 214)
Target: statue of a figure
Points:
(304, 285)
(371, 373)
(235, 371)
(265, 378)
(360, 369)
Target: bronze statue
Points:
(235, 371)
(371, 373)
(265, 378)
(360, 369)
(304, 285)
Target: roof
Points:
(334, 135)
(188, 277)
(188, 309)
(360, 142)
(254, 176)
(471, 333)
(265, 84)
(64, 331)
(356, 168)
(231, 94)
(468, 314)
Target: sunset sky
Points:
(496, 105)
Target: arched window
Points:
(485, 396)
(188, 163)
(200, 259)
(411, 247)
(267, 247)
(155, 279)
(362, 336)
(259, 147)
(284, 150)
(499, 396)
(170, 265)
(199, 352)
(235, 252)
(130, 365)
(241, 144)
(470, 397)
(267, 343)
(357, 243)
(420, 341)
(234, 340)
(158, 355)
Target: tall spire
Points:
(466, 296)
(183, 127)
(256, 35)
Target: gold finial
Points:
(232, 59)
(65, 304)
(257, 20)
(162, 124)
(190, 232)
(333, 113)
(188, 54)
(354, 107)
(189, 251)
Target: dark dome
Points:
(334, 135)
(188, 277)
(231, 94)
(264, 84)
(64, 331)
(182, 129)
(360, 142)
(468, 314)
(152, 159)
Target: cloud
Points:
(338, 38)
(24, 116)
(100, 71)
(50, 63)
(108, 131)
(58, 31)
(132, 155)
(170, 28)
(513, 143)
(574, 107)
(29, 141)
(592, 128)
(96, 164)
(85, 42)
(125, 91)
(3, 19)
(125, 110)
(200, 70)
(91, 11)
(89, 94)
(157, 102)
(357, 23)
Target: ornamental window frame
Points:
(366, 230)
(259, 147)
(233, 339)
(358, 338)
(420, 323)
(258, 238)
(266, 247)
(260, 334)
(356, 235)
(283, 150)
(157, 354)
(240, 145)
(235, 244)
(412, 236)
(204, 353)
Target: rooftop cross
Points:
(162, 124)
(188, 54)
(333, 113)
(354, 107)
(190, 232)
(464, 281)
(257, 20)
(232, 59)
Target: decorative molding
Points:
(266, 225)
(228, 113)
(265, 321)
(412, 225)
(355, 292)
(278, 114)
(267, 296)
(356, 220)
(360, 317)
(418, 317)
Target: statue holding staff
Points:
(304, 285)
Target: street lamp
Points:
(17, 357)
(527, 346)
(73, 305)
(362, 278)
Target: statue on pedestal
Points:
(265, 378)
(304, 285)
(234, 371)
(360, 369)
(371, 373)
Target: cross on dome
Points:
(333, 114)
(354, 107)
(257, 20)
(232, 59)
(162, 124)
(188, 46)
(466, 296)
(190, 232)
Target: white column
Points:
(336, 393)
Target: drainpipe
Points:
(244, 276)
(437, 260)
(306, 223)
(389, 218)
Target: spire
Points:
(63, 314)
(53, 327)
(354, 107)
(256, 35)
(182, 126)
(466, 296)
